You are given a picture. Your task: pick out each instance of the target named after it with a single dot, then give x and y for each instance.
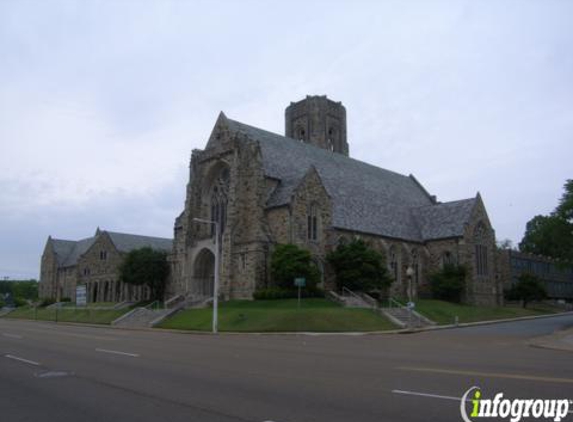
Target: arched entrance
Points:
(204, 273)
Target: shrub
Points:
(449, 283)
(289, 262)
(359, 267)
(19, 301)
(65, 299)
(527, 289)
(47, 302)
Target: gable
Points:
(364, 197)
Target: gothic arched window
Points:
(312, 223)
(219, 198)
(393, 262)
(415, 265)
(447, 259)
(481, 252)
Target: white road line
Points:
(115, 352)
(11, 335)
(435, 396)
(31, 362)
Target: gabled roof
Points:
(444, 220)
(365, 198)
(127, 242)
(62, 248)
(68, 252)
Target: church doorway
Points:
(204, 273)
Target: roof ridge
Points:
(322, 150)
(136, 235)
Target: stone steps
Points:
(405, 318)
(140, 318)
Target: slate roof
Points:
(62, 249)
(443, 220)
(68, 252)
(365, 198)
(128, 242)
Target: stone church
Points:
(93, 262)
(303, 188)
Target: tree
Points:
(449, 283)
(289, 262)
(552, 235)
(565, 207)
(146, 266)
(359, 267)
(528, 288)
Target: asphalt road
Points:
(51, 372)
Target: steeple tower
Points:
(318, 121)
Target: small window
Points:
(86, 271)
(447, 259)
(312, 223)
(103, 255)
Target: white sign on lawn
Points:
(81, 295)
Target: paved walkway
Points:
(562, 340)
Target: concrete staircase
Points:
(406, 318)
(148, 317)
(5, 311)
(142, 318)
(351, 299)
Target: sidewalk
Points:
(562, 340)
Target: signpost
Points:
(81, 295)
(299, 282)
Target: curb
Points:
(310, 334)
(480, 323)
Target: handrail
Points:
(152, 304)
(346, 289)
(393, 303)
(174, 299)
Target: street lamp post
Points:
(216, 282)
(410, 274)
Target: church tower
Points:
(318, 121)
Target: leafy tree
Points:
(146, 266)
(565, 207)
(289, 262)
(527, 289)
(449, 283)
(552, 235)
(359, 267)
(24, 289)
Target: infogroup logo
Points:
(512, 409)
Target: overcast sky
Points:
(101, 102)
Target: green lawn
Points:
(445, 312)
(93, 316)
(319, 315)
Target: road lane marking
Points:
(434, 396)
(53, 374)
(115, 352)
(11, 335)
(488, 374)
(30, 362)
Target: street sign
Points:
(81, 295)
(300, 282)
